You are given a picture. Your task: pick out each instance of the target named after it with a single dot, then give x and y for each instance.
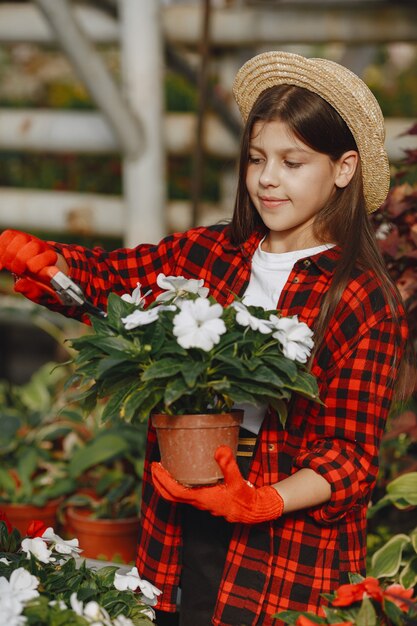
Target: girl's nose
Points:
(269, 176)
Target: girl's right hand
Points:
(30, 260)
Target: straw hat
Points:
(341, 88)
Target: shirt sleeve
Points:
(99, 272)
(344, 438)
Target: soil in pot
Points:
(108, 539)
(188, 442)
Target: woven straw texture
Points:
(341, 88)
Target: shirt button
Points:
(296, 280)
(307, 263)
(271, 447)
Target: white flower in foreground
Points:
(62, 546)
(76, 604)
(11, 611)
(21, 586)
(132, 580)
(92, 611)
(245, 318)
(136, 296)
(38, 548)
(295, 337)
(178, 287)
(198, 325)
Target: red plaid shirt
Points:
(287, 563)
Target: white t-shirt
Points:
(270, 272)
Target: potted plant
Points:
(35, 447)
(44, 581)
(185, 355)
(103, 510)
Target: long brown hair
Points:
(344, 220)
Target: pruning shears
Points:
(70, 293)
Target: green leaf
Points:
(404, 489)
(408, 575)
(387, 560)
(190, 374)
(163, 368)
(174, 390)
(366, 615)
(113, 406)
(281, 408)
(394, 613)
(282, 365)
(6, 482)
(100, 450)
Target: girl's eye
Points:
(254, 159)
(292, 164)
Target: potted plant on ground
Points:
(185, 354)
(103, 510)
(34, 447)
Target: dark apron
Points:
(205, 544)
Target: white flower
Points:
(132, 580)
(76, 604)
(11, 611)
(142, 318)
(198, 325)
(150, 613)
(94, 612)
(62, 546)
(136, 297)
(383, 231)
(244, 318)
(38, 548)
(295, 337)
(4, 560)
(21, 586)
(178, 287)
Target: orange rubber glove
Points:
(30, 260)
(236, 499)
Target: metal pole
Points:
(198, 169)
(143, 72)
(93, 72)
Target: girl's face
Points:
(289, 182)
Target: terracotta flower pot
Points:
(20, 515)
(188, 442)
(108, 539)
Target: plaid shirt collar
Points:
(325, 262)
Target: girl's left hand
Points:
(236, 499)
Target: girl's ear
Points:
(346, 168)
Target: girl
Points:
(312, 167)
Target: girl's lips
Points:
(272, 202)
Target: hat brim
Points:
(342, 89)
